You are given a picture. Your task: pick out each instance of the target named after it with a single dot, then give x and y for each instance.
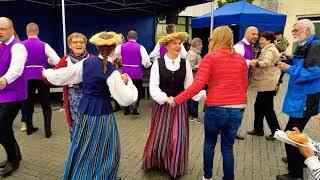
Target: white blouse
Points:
(122, 93)
(156, 93)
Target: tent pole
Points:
(64, 27)
(212, 16)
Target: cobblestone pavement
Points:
(255, 158)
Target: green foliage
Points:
(220, 3)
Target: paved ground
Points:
(255, 157)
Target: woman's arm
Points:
(122, 93)
(156, 93)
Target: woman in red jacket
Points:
(72, 94)
(226, 74)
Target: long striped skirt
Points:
(168, 142)
(95, 149)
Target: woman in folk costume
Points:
(72, 93)
(95, 148)
(160, 50)
(168, 141)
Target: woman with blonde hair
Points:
(226, 74)
(95, 148)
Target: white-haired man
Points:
(303, 94)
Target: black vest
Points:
(172, 82)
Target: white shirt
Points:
(145, 59)
(122, 93)
(156, 93)
(155, 54)
(239, 48)
(52, 56)
(18, 60)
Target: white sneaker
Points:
(23, 127)
(203, 178)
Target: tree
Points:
(220, 3)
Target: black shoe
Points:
(238, 136)
(270, 138)
(9, 168)
(3, 164)
(48, 134)
(32, 130)
(287, 177)
(255, 133)
(135, 112)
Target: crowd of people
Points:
(178, 80)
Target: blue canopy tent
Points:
(243, 14)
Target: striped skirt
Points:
(168, 142)
(95, 149)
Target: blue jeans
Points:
(226, 121)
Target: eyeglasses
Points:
(77, 42)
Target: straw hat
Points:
(170, 37)
(111, 38)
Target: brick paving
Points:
(255, 158)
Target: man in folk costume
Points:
(134, 55)
(159, 50)
(244, 48)
(40, 55)
(13, 90)
(169, 76)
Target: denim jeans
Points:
(226, 121)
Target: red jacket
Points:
(226, 74)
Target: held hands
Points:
(170, 101)
(125, 77)
(304, 151)
(283, 66)
(253, 63)
(3, 83)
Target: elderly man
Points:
(244, 48)
(13, 90)
(40, 55)
(303, 94)
(194, 58)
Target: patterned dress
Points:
(167, 146)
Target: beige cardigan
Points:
(266, 75)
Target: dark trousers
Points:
(295, 159)
(8, 112)
(23, 111)
(135, 105)
(263, 107)
(193, 108)
(44, 97)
